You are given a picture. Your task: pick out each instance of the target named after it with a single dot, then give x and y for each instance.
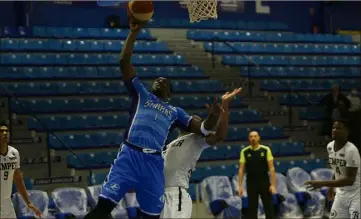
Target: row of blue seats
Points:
(96, 72)
(86, 59)
(69, 32)
(103, 104)
(79, 45)
(301, 100)
(233, 152)
(218, 24)
(105, 159)
(116, 88)
(272, 48)
(230, 170)
(312, 114)
(307, 85)
(300, 72)
(114, 139)
(203, 35)
(235, 60)
(116, 121)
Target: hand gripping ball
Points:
(141, 10)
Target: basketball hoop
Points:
(201, 10)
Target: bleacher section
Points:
(69, 78)
(297, 62)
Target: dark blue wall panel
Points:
(296, 14)
(7, 17)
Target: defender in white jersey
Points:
(180, 159)
(344, 158)
(9, 173)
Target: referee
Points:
(257, 160)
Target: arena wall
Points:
(87, 14)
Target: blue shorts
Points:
(140, 171)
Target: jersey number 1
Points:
(6, 175)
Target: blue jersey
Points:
(151, 119)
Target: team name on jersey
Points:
(178, 143)
(336, 161)
(159, 107)
(8, 166)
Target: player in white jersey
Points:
(344, 159)
(10, 173)
(180, 159)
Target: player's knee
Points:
(144, 215)
(102, 210)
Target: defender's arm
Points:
(222, 128)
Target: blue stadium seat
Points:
(312, 114)
(100, 139)
(205, 35)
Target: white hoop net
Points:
(201, 10)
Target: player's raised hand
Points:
(214, 108)
(227, 97)
(37, 212)
(135, 25)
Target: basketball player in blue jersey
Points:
(139, 164)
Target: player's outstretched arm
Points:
(201, 128)
(19, 183)
(128, 70)
(222, 128)
(351, 173)
(352, 164)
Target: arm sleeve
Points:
(183, 119)
(17, 160)
(269, 154)
(135, 87)
(242, 158)
(353, 158)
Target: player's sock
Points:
(102, 210)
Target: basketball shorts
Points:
(346, 205)
(177, 203)
(134, 169)
(7, 209)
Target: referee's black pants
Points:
(254, 191)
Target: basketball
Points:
(141, 10)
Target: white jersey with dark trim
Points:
(180, 158)
(9, 163)
(347, 156)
